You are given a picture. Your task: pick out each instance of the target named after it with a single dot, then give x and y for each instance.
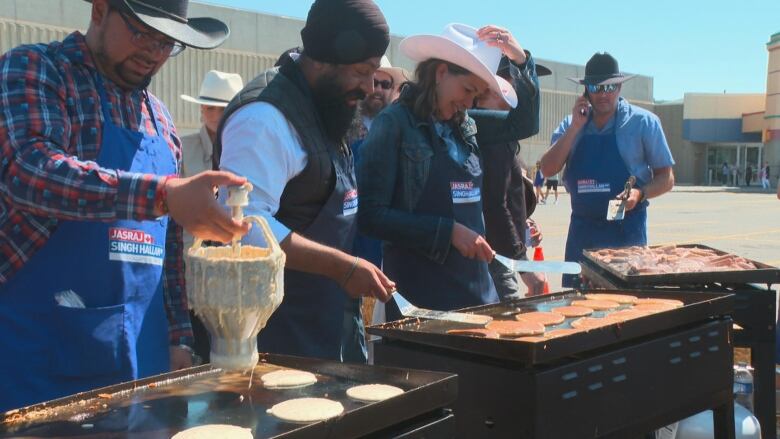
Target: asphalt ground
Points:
(746, 223)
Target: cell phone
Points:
(583, 111)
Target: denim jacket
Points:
(397, 156)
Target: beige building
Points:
(742, 131)
(255, 43)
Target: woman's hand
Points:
(470, 244)
(503, 39)
(534, 232)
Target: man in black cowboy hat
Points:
(605, 141)
(286, 132)
(91, 211)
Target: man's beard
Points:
(331, 103)
(119, 70)
(143, 83)
(371, 107)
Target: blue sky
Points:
(685, 45)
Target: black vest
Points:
(286, 89)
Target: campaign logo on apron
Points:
(590, 186)
(464, 192)
(350, 202)
(128, 245)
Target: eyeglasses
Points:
(145, 40)
(384, 84)
(604, 88)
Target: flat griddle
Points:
(161, 406)
(697, 307)
(764, 274)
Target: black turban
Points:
(345, 31)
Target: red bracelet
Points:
(161, 205)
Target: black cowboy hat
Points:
(602, 69)
(503, 69)
(169, 17)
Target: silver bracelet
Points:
(351, 271)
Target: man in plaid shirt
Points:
(88, 165)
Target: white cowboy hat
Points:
(217, 89)
(398, 74)
(460, 45)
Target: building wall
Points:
(772, 115)
(688, 157)
(256, 41)
(716, 117)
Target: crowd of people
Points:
(733, 175)
(372, 178)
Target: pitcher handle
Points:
(270, 239)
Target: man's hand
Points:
(470, 244)
(579, 113)
(191, 203)
(180, 358)
(534, 282)
(634, 197)
(534, 232)
(368, 280)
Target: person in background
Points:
(508, 197)
(286, 131)
(604, 142)
(724, 174)
(92, 286)
(421, 173)
(748, 175)
(765, 176)
(387, 85)
(552, 183)
(538, 182)
(216, 90)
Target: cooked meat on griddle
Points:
(670, 259)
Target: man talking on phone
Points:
(605, 141)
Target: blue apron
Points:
(595, 174)
(51, 350)
(313, 316)
(451, 192)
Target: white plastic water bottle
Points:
(743, 385)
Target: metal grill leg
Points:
(763, 360)
(723, 421)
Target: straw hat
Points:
(217, 89)
(398, 74)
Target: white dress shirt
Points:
(259, 143)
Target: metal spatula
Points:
(539, 266)
(409, 310)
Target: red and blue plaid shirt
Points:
(50, 136)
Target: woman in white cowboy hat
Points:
(420, 176)
(216, 91)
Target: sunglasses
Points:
(605, 88)
(145, 40)
(384, 84)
